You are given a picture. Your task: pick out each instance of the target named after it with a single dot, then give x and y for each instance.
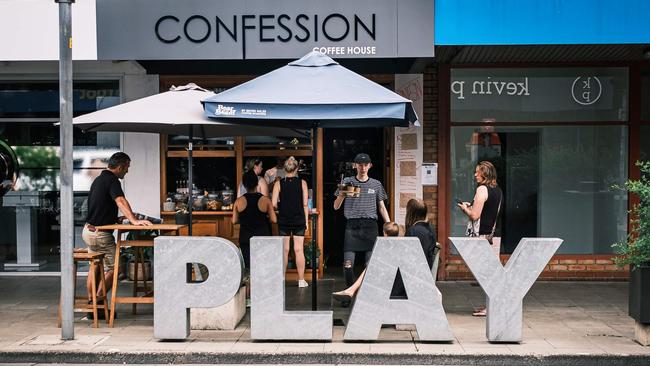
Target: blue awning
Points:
(535, 22)
(312, 91)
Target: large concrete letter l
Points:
(269, 320)
(506, 286)
(174, 296)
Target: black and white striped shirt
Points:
(364, 206)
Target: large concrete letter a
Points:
(374, 307)
(506, 286)
(174, 296)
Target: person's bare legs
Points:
(287, 242)
(89, 287)
(298, 250)
(108, 281)
(352, 290)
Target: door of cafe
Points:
(339, 149)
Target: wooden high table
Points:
(121, 229)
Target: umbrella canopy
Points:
(312, 91)
(175, 112)
(172, 113)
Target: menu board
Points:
(408, 147)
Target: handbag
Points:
(473, 226)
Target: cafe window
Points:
(557, 176)
(28, 110)
(40, 98)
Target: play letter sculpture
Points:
(174, 296)
(506, 286)
(373, 306)
(269, 320)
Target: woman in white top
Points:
(255, 165)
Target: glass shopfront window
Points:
(557, 182)
(28, 110)
(557, 177)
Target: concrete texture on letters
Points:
(174, 296)
(269, 320)
(373, 306)
(506, 286)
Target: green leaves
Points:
(636, 249)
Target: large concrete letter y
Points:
(506, 286)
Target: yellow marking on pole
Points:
(70, 42)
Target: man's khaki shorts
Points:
(101, 242)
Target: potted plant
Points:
(182, 216)
(144, 269)
(308, 251)
(635, 250)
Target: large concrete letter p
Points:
(174, 296)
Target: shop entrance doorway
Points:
(517, 160)
(340, 145)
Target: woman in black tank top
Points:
(486, 206)
(290, 197)
(254, 213)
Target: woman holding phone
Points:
(484, 210)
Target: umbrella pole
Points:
(190, 184)
(314, 219)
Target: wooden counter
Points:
(219, 223)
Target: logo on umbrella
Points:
(222, 110)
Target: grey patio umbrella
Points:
(175, 112)
(314, 91)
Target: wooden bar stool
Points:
(81, 302)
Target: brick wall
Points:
(560, 267)
(430, 136)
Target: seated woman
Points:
(345, 296)
(416, 226)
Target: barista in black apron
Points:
(360, 206)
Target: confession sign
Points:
(505, 287)
(262, 29)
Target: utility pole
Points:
(66, 197)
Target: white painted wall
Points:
(142, 183)
(29, 30)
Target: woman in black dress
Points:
(290, 196)
(254, 213)
(484, 210)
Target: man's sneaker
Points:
(302, 283)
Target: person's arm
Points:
(305, 203)
(275, 196)
(474, 211)
(124, 206)
(235, 212)
(270, 210)
(383, 211)
(338, 202)
(262, 187)
(340, 197)
(381, 197)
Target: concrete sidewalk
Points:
(564, 323)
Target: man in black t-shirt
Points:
(105, 198)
